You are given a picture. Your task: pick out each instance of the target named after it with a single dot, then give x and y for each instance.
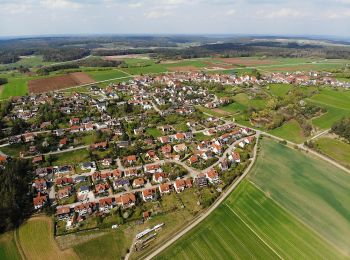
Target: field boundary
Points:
(18, 244)
(257, 235)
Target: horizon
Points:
(175, 17)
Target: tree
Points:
(3, 81)
(15, 193)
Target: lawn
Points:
(37, 241)
(110, 246)
(290, 131)
(72, 157)
(154, 132)
(314, 191)
(279, 90)
(8, 248)
(245, 101)
(336, 149)
(337, 104)
(234, 108)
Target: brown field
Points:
(218, 66)
(183, 68)
(247, 62)
(294, 68)
(59, 82)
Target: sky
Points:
(265, 17)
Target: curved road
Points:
(201, 217)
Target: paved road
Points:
(205, 214)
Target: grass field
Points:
(337, 104)
(72, 157)
(109, 246)
(154, 132)
(8, 248)
(37, 241)
(14, 87)
(279, 90)
(290, 131)
(314, 191)
(106, 74)
(245, 101)
(249, 225)
(336, 149)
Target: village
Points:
(145, 138)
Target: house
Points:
(99, 146)
(105, 204)
(83, 190)
(38, 159)
(164, 139)
(249, 139)
(63, 213)
(241, 144)
(40, 185)
(201, 180)
(138, 183)
(146, 215)
(180, 148)
(217, 149)
(224, 165)
(28, 137)
(63, 142)
(159, 177)
(213, 176)
(152, 168)
(64, 192)
(120, 183)
(63, 170)
(74, 121)
(64, 181)
(151, 155)
(79, 179)
(205, 155)
(106, 162)
(148, 194)
(131, 159)
(3, 159)
(166, 128)
(180, 136)
(126, 200)
(39, 201)
(181, 184)
(88, 166)
(193, 159)
(164, 188)
(101, 188)
(85, 208)
(130, 172)
(166, 150)
(235, 157)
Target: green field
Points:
(14, 87)
(250, 225)
(314, 191)
(106, 74)
(337, 104)
(154, 132)
(290, 131)
(109, 246)
(279, 90)
(8, 248)
(244, 100)
(37, 241)
(73, 157)
(28, 61)
(336, 149)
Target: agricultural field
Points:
(59, 82)
(8, 248)
(109, 246)
(37, 241)
(337, 104)
(101, 75)
(290, 131)
(314, 191)
(335, 149)
(14, 87)
(248, 211)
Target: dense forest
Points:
(342, 128)
(15, 193)
(60, 49)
